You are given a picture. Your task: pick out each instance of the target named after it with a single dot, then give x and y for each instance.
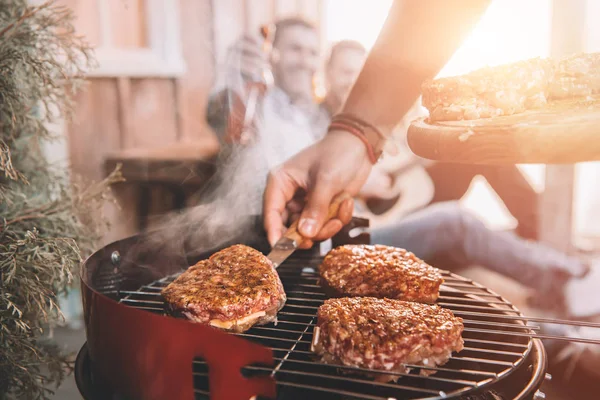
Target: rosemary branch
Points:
(50, 221)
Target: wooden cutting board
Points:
(564, 132)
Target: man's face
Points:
(342, 71)
(295, 61)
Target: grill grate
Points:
(496, 335)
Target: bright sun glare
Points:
(503, 34)
(509, 31)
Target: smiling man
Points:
(346, 59)
(288, 106)
(295, 59)
(286, 119)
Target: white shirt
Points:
(282, 130)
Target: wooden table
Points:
(179, 168)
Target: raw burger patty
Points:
(384, 334)
(380, 271)
(234, 289)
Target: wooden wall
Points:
(124, 112)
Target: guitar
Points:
(413, 189)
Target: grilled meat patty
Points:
(379, 271)
(385, 334)
(575, 76)
(512, 88)
(235, 289)
(489, 92)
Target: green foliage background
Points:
(47, 218)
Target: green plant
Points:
(47, 218)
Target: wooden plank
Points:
(153, 113)
(124, 101)
(154, 124)
(86, 21)
(95, 129)
(193, 88)
(556, 202)
(103, 10)
(128, 23)
(228, 26)
(191, 163)
(164, 175)
(203, 150)
(286, 8)
(132, 113)
(562, 132)
(94, 132)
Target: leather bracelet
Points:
(373, 136)
(350, 128)
(361, 122)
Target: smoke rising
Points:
(229, 208)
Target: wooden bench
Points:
(180, 169)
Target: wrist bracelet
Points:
(350, 128)
(364, 124)
(369, 134)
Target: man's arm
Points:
(416, 41)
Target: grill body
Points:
(522, 385)
(147, 356)
(135, 350)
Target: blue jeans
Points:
(450, 237)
